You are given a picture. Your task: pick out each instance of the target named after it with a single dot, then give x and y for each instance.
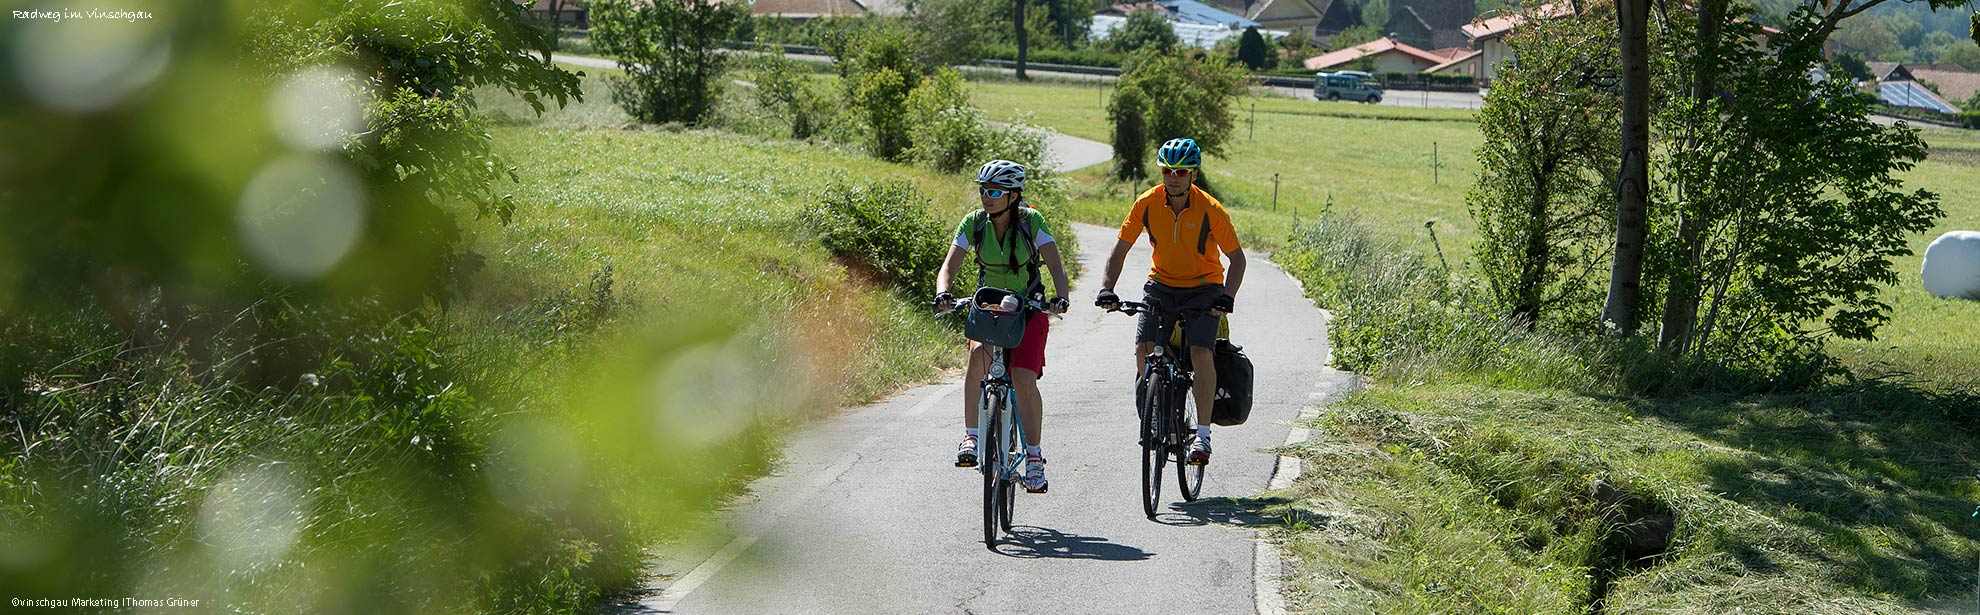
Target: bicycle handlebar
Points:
(1133, 308)
(963, 302)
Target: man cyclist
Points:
(1010, 240)
(1188, 229)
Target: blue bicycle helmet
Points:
(1180, 154)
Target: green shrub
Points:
(786, 95)
(877, 81)
(950, 134)
(947, 131)
(883, 226)
(881, 98)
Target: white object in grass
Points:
(1952, 265)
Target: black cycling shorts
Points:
(1199, 331)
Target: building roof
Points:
(1910, 94)
(1191, 11)
(1456, 60)
(1886, 71)
(1486, 29)
(1955, 82)
(1372, 48)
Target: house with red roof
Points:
(1383, 55)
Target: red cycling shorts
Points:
(1030, 353)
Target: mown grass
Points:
(1483, 472)
(1466, 499)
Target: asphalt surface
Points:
(868, 514)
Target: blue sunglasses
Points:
(993, 193)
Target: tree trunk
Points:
(1632, 198)
(1682, 295)
(1018, 21)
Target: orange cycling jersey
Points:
(1188, 244)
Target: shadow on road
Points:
(1036, 542)
(1241, 512)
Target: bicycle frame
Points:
(996, 389)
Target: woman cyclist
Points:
(1010, 240)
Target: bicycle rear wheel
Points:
(1154, 452)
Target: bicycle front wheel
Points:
(992, 465)
(1189, 478)
(1154, 452)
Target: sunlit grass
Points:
(1375, 163)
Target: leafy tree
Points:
(879, 78)
(669, 53)
(951, 32)
(1961, 54)
(1294, 45)
(1936, 43)
(1375, 15)
(1785, 198)
(1870, 37)
(143, 211)
(1356, 35)
(1251, 49)
(1145, 29)
(1853, 65)
(1187, 97)
(1543, 192)
(1632, 229)
(1128, 111)
(1907, 31)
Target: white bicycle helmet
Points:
(1001, 173)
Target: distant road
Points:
(1397, 98)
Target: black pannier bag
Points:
(1233, 403)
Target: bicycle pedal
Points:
(1038, 490)
(966, 463)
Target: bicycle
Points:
(1000, 447)
(1165, 428)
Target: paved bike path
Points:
(867, 514)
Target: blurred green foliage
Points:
(226, 369)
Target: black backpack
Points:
(1234, 377)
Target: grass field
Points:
(1442, 496)
(1374, 163)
